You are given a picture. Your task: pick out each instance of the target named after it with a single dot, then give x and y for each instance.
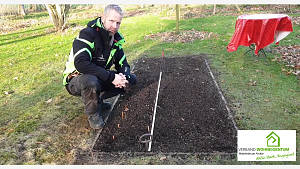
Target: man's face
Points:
(112, 21)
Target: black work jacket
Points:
(101, 55)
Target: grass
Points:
(40, 117)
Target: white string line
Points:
(223, 98)
(150, 143)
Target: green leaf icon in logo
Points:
(273, 140)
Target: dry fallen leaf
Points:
(8, 92)
(163, 158)
(11, 130)
(252, 83)
(289, 72)
(49, 101)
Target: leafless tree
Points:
(22, 10)
(33, 7)
(215, 6)
(238, 8)
(58, 14)
(177, 18)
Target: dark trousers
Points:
(92, 91)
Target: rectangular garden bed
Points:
(191, 116)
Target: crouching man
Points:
(87, 73)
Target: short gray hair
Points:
(110, 7)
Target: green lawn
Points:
(36, 113)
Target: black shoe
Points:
(106, 106)
(96, 121)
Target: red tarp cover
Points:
(260, 29)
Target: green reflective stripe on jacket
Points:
(82, 50)
(99, 24)
(91, 45)
(112, 52)
(121, 60)
(120, 43)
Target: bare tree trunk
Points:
(33, 7)
(58, 15)
(22, 10)
(214, 9)
(177, 18)
(237, 7)
(41, 7)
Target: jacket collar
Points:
(97, 23)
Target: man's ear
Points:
(103, 17)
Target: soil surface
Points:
(191, 116)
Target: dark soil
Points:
(191, 116)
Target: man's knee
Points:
(90, 82)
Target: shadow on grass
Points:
(26, 31)
(36, 15)
(28, 38)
